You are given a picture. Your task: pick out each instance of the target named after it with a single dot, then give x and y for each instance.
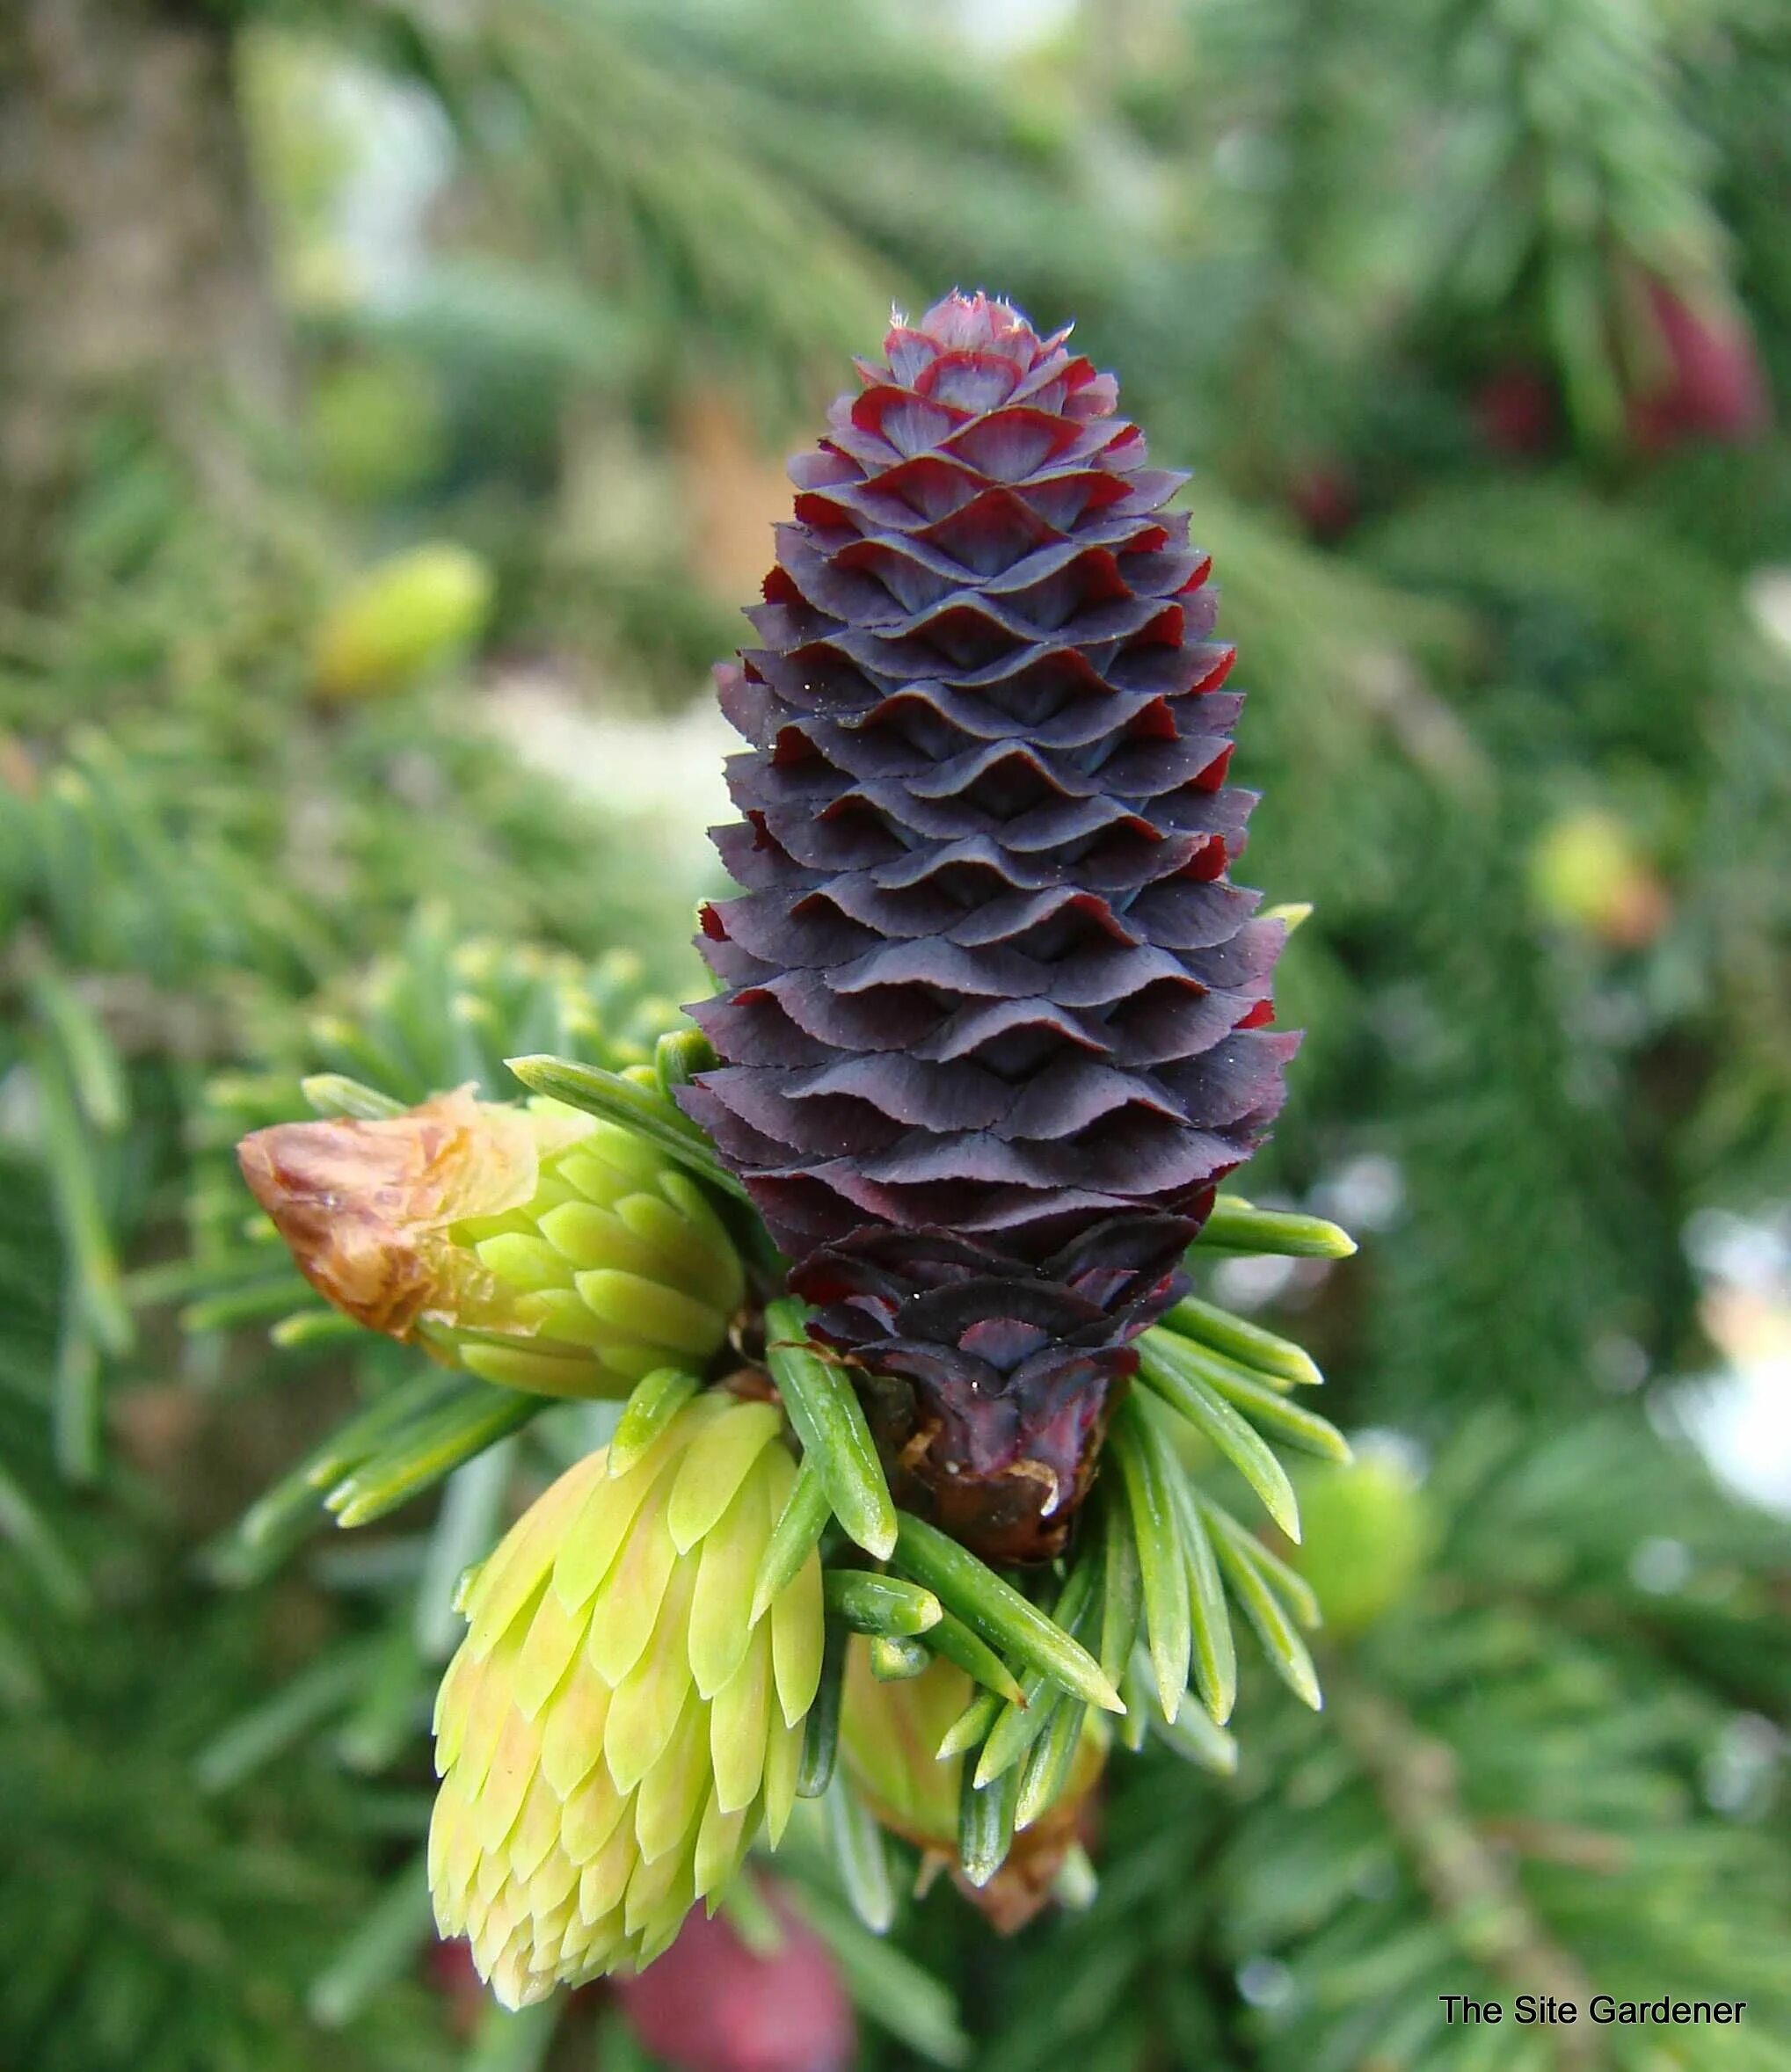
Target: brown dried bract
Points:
(364, 1207)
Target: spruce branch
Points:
(1467, 1875)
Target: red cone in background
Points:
(451, 1973)
(710, 2005)
(1711, 385)
(1516, 412)
(1324, 499)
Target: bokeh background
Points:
(394, 396)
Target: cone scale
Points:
(991, 1012)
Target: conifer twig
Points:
(1466, 1876)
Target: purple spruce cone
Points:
(992, 1013)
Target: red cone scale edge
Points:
(991, 1011)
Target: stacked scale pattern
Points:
(616, 1728)
(992, 1013)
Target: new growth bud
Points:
(413, 613)
(890, 1733)
(615, 1726)
(532, 1246)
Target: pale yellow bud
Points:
(616, 1729)
(534, 1246)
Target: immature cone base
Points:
(991, 1011)
(995, 1446)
